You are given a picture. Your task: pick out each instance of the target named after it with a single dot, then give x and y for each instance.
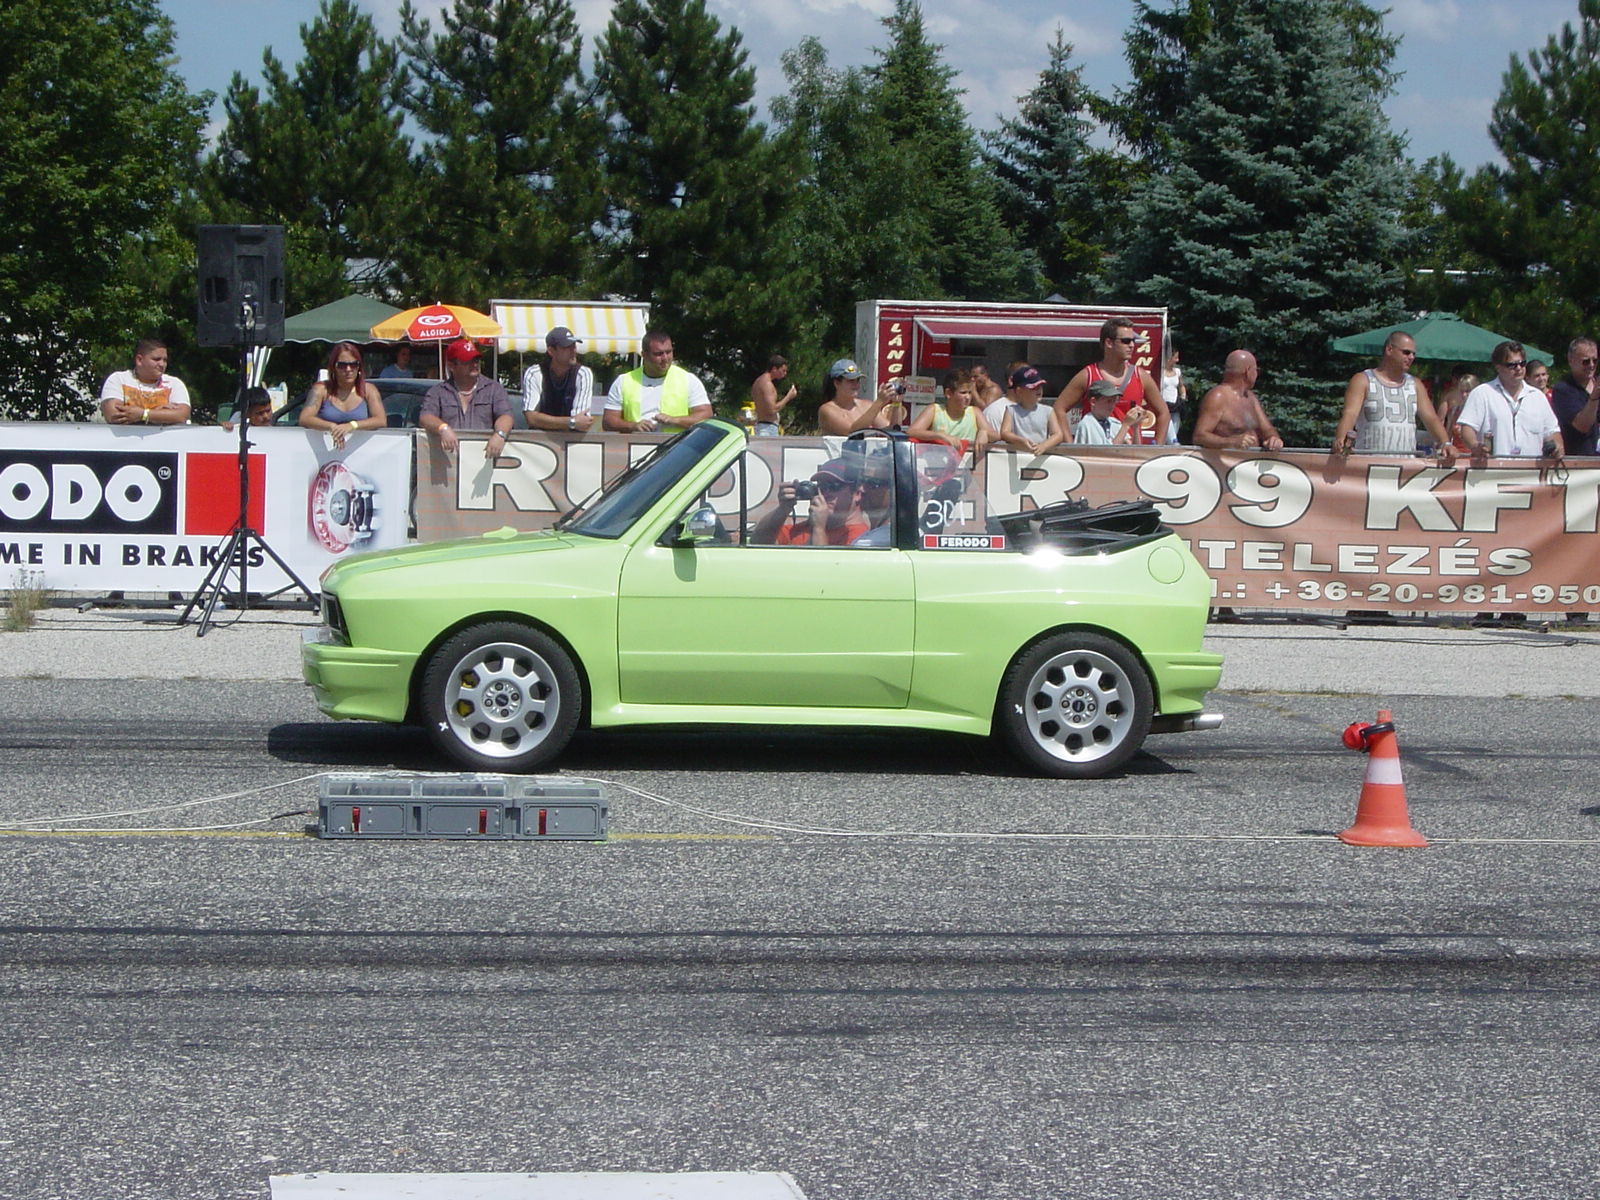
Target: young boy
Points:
(1028, 425)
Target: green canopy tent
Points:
(1440, 337)
(346, 320)
(349, 319)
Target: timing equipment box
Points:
(524, 808)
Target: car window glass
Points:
(948, 498)
(639, 488)
(851, 495)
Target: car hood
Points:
(495, 544)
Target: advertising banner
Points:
(134, 508)
(1297, 530)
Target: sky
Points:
(1453, 53)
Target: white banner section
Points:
(89, 508)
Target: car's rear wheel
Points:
(1076, 705)
(501, 697)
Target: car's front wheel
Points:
(1076, 705)
(501, 697)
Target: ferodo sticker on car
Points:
(963, 541)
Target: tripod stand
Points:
(245, 539)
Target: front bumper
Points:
(355, 683)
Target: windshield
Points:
(612, 511)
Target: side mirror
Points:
(701, 525)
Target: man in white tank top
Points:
(1382, 403)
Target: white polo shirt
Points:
(1514, 425)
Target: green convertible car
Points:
(726, 581)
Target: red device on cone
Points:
(1381, 818)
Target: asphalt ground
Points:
(892, 965)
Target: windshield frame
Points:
(618, 505)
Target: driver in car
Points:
(834, 516)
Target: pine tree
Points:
(1528, 230)
(100, 137)
(857, 230)
(693, 187)
(1060, 195)
(321, 154)
(1161, 44)
(1276, 227)
(510, 176)
(974, 256)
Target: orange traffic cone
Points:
(1381, 818)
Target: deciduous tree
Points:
(98, 138)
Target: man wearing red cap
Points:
(466, 401)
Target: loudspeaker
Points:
(241, 279)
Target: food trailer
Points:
(916, 341)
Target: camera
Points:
(805, 489)
(899, 388)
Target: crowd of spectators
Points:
(1112, 401)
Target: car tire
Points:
(1075, 705)
(501, 697)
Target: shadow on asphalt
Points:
(364, 746)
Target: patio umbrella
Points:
(436, 323)
(1440, 336)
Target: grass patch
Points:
(24, 599)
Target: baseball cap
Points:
(1026, 377)
(839, 468)
(561, 336)
(463, 350)
(1105, 389)
(844, 368)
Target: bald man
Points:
(1231, 416)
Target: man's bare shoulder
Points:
(1222, 393)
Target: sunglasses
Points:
(834, 485)
(1133, 341)
(347, 366)
(1519, 365)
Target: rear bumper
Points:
(1182, 681)
(354, 683)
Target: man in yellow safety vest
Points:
(658, 397)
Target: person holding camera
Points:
(844, 411)
(833, 517)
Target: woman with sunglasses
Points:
(346, 402)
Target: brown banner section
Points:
(1286, 531)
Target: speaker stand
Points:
(236, 551)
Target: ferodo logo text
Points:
(113, 492)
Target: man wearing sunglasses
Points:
(1506, 417)
(1577, 398)
(1382, 404)
(1135, 384)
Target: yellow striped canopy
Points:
(603, 326)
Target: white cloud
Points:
(1434, 20)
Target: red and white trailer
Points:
(917, 341)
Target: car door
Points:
(779, 626)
